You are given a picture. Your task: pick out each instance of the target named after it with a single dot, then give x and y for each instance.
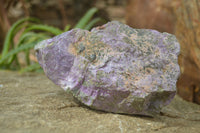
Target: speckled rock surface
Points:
(31, 103)
(114, 68)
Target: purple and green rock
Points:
(114, 67)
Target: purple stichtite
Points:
(115, 68)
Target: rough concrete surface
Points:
(30, 102)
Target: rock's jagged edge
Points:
(114, 68)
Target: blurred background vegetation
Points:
(25, 22)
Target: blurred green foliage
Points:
(31, 32)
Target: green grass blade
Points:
(27, 52)
(18, 49)
(29, 35)
(51, 29)
(92, 23)
(10, 34)
(67, 27)
(30, 68)
(26, 38)
(86, 18)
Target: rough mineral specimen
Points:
(113, 67)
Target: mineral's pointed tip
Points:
(114, 68)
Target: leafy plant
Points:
(31, 32)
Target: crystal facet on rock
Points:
(114, 67)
